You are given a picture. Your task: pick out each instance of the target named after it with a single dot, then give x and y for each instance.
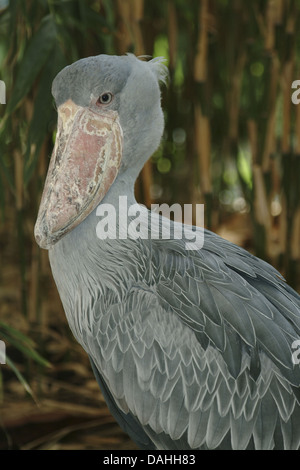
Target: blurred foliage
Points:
(231, 136)
(26, 346)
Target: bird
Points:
(192, 347)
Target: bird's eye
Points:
(105, 98)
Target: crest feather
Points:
(158, 66)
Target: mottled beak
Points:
(84, 164)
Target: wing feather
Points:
(291, 431)
(217, 427)
(265, 423)
(196, 346)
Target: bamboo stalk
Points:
(253, 139)
(203, 147)
(283, 226)
(146, 176)
(42, 171)
(286, 86)
(288, 76)
(276, 218)
(276, 176)
(270, 141)
(137, 9)
(270, 137)
(202, 123)
(18, 168)
(279, 10)
(234, 99)
(35, 269)
(291, 21)
(274, 16)
(261, 205)
(269, 31)
(34, 283)
(172, 34)
(200, 67)
(123, 36)
(295, 239)
(137, 13)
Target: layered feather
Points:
(195, 346)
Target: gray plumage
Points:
(192, 348)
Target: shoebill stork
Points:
(192, 348)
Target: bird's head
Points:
(110, 122)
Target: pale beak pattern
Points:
(84, 164)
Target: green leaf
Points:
(43, 110)
(20, 377)
(34, 58)
(2, 199)
(21, 342)
(7, 172)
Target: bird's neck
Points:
(123, 186)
